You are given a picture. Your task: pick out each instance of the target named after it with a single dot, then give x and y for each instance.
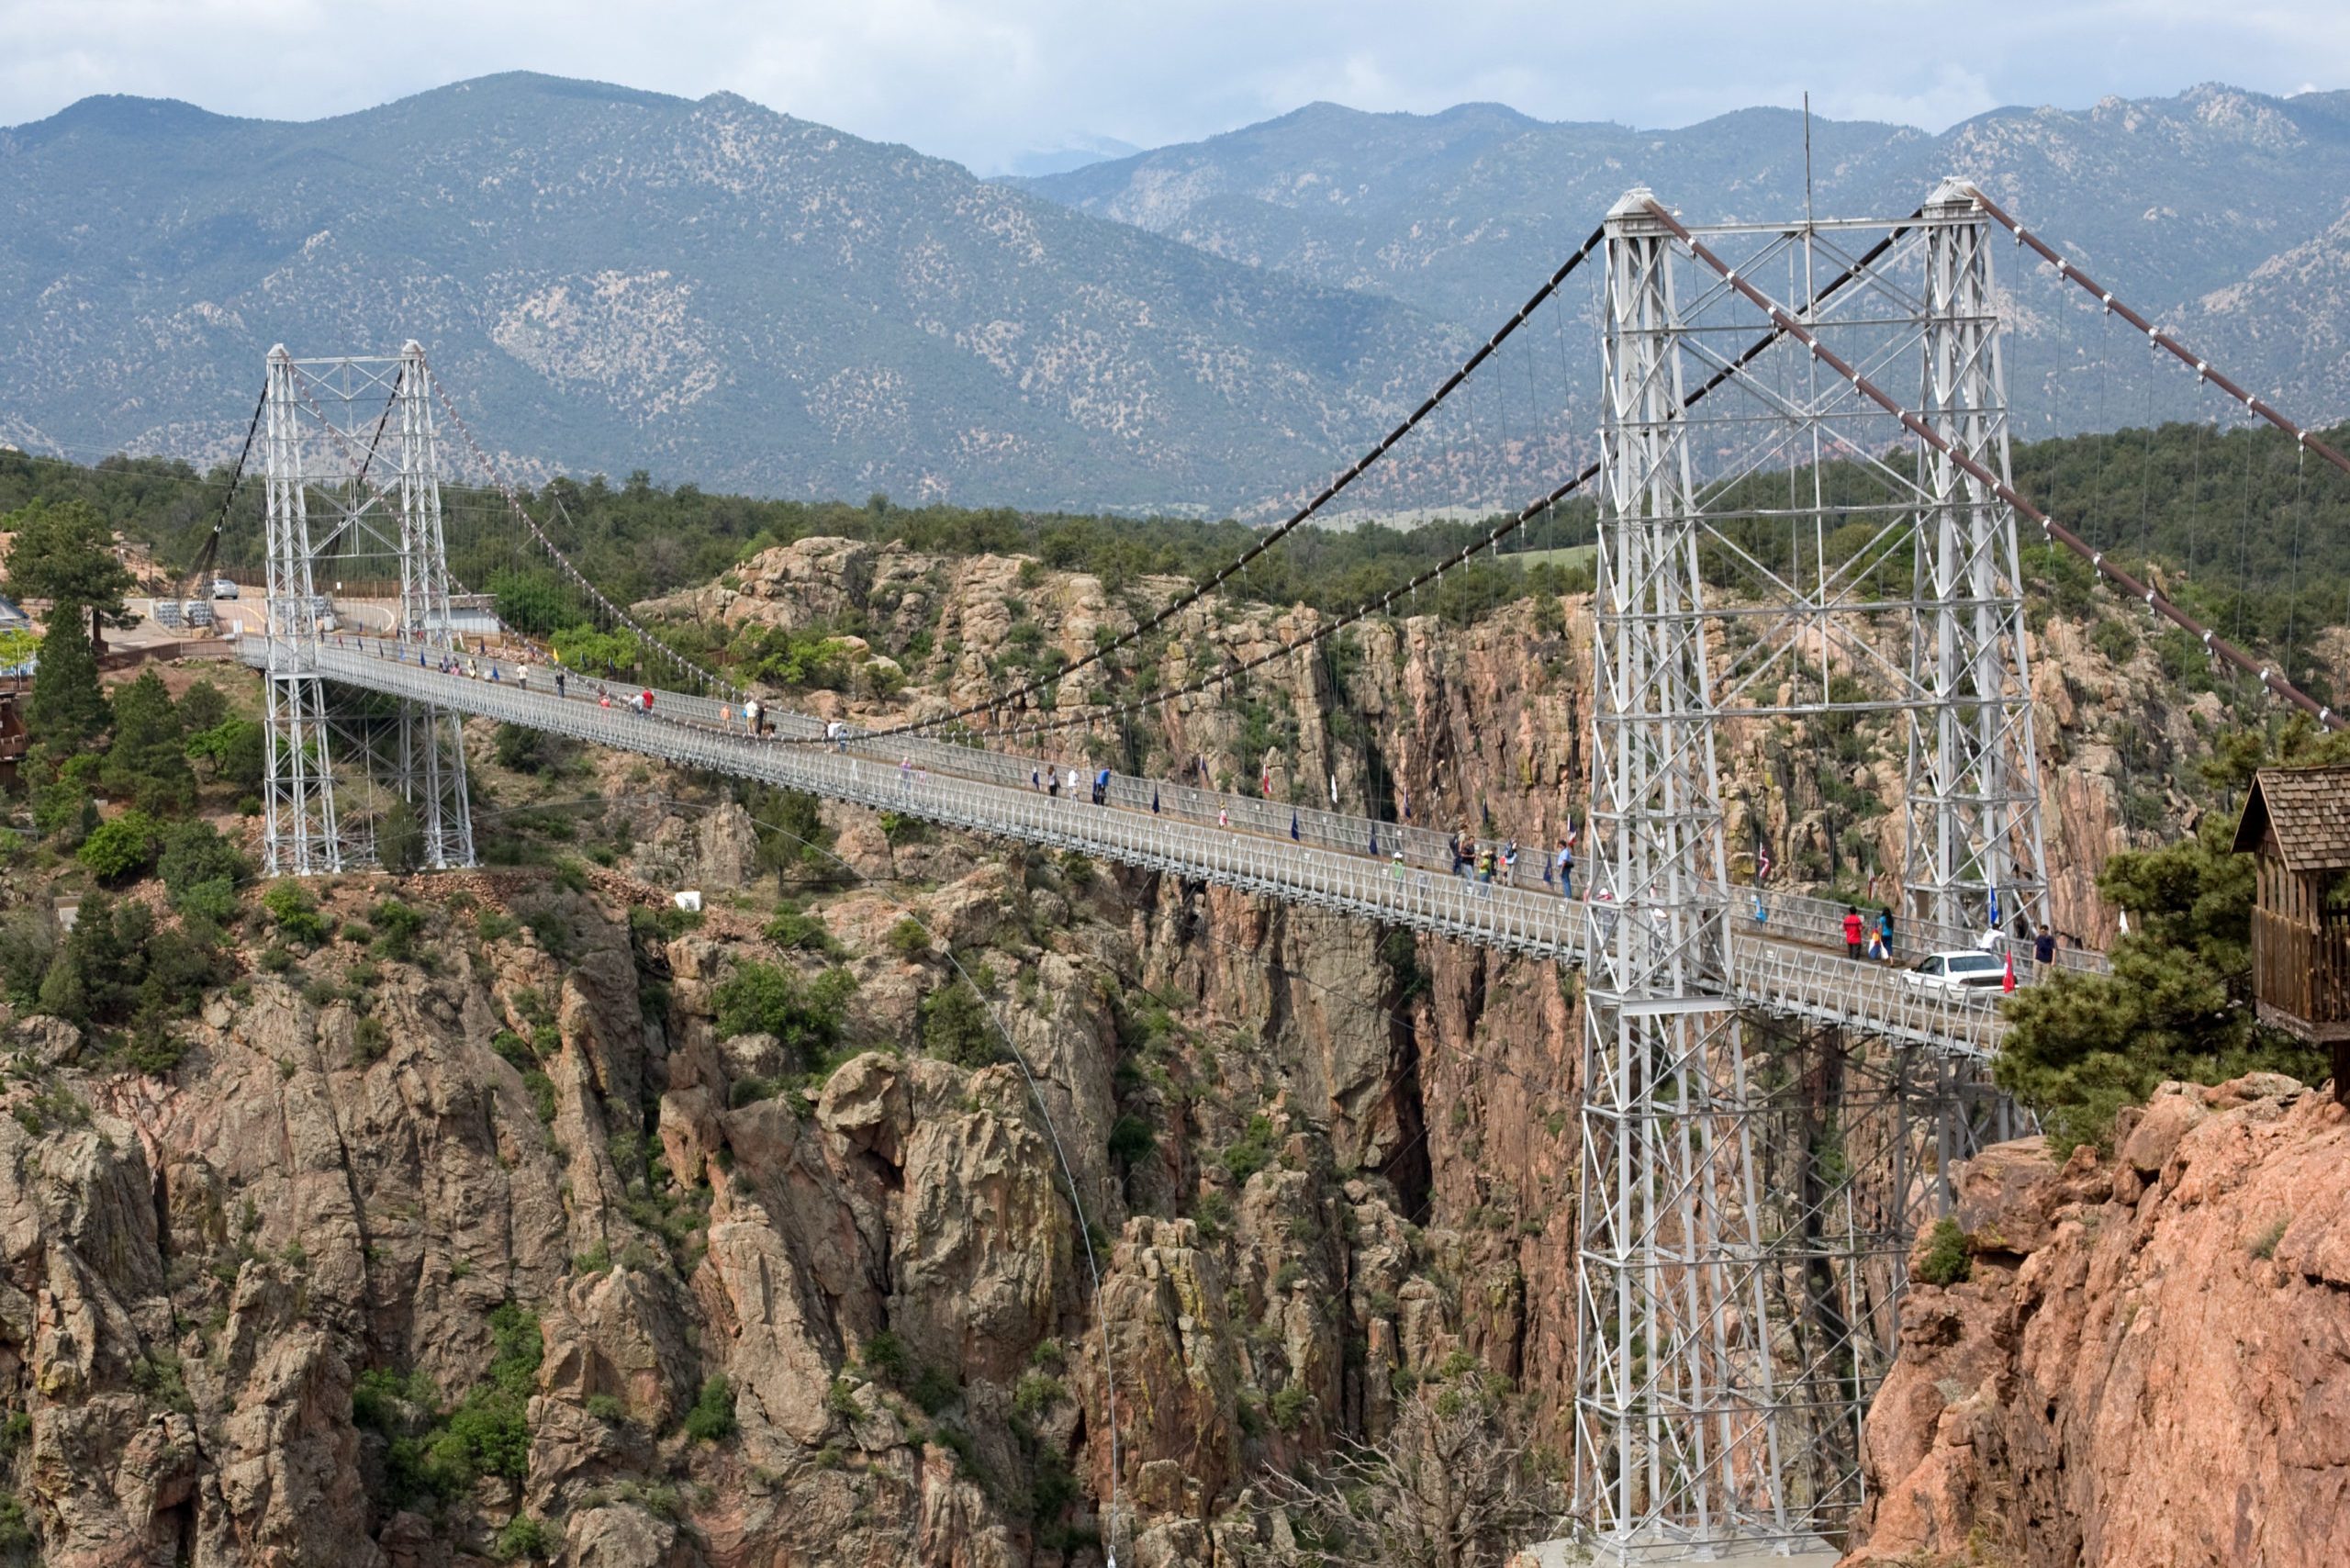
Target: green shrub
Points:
(16, 1530)
(236, 749)
(790, 929)
(201, 869)
(295, 912)
(120, 846)
(934, 1389)
(885, 1357)
(804, 1017)
(1252, 1150)
(712, 1419)
(1132, 1139)
(1948, 1259)
(523, 1537)
(907, 938)
(1288, 1406)
(1035, 1394)
(489, 1434)
(117, 966)
(370, 1038)
(398, 926)
(956, 1026)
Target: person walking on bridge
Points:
(1853, 933)
(2043, 950)
(558, 686)
(646, 698)
(1566, 868)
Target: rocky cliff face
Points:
(2150, 1359)
(508, 1244)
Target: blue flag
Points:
(1153, 800)
(1995, 906)
(1292, 825)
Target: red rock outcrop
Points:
(2150, 1362)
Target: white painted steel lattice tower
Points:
(1975, 851)
(1676, 1429)
(1782, 567)
(353, 478)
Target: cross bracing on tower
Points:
(354, 473)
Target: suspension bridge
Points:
(1741, 1226)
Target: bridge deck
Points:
(1334, 861)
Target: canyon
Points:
(499, 1243)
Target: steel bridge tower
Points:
(1788, 563)
(1975, 851)
(354, 501)
(1677, 1435)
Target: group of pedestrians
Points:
(1868, 938)
(1048, 779)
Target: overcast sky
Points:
(986, 81)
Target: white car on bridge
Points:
(1963, 971)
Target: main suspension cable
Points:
(210, 552)
(595, 596)
(2159, 337)
(1295, 520)
(1384, 600)
(2055, 531)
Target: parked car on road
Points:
(1958, 971)
(223, 588)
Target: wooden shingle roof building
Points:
(2298, 822)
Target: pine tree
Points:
(149, 757)
(68, 708)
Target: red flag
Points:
(2008, 978)
(1265, 783)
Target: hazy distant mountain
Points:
(613, 279)
(2194, 207)
(1085, 150)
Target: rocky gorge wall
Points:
(2150, 1361)
(294, 1301)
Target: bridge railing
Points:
(1765, 912)
(1255, 855)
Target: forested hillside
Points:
(2250, 535)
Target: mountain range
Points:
(718, 292)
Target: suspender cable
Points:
(2157, 602)
(2158, 336)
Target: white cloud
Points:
(986, 80)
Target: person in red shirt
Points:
(1853, 933)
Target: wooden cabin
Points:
(2297, 823)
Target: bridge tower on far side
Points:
(300, 834)
(1975, 853)
(429, 770)
(354, 509)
